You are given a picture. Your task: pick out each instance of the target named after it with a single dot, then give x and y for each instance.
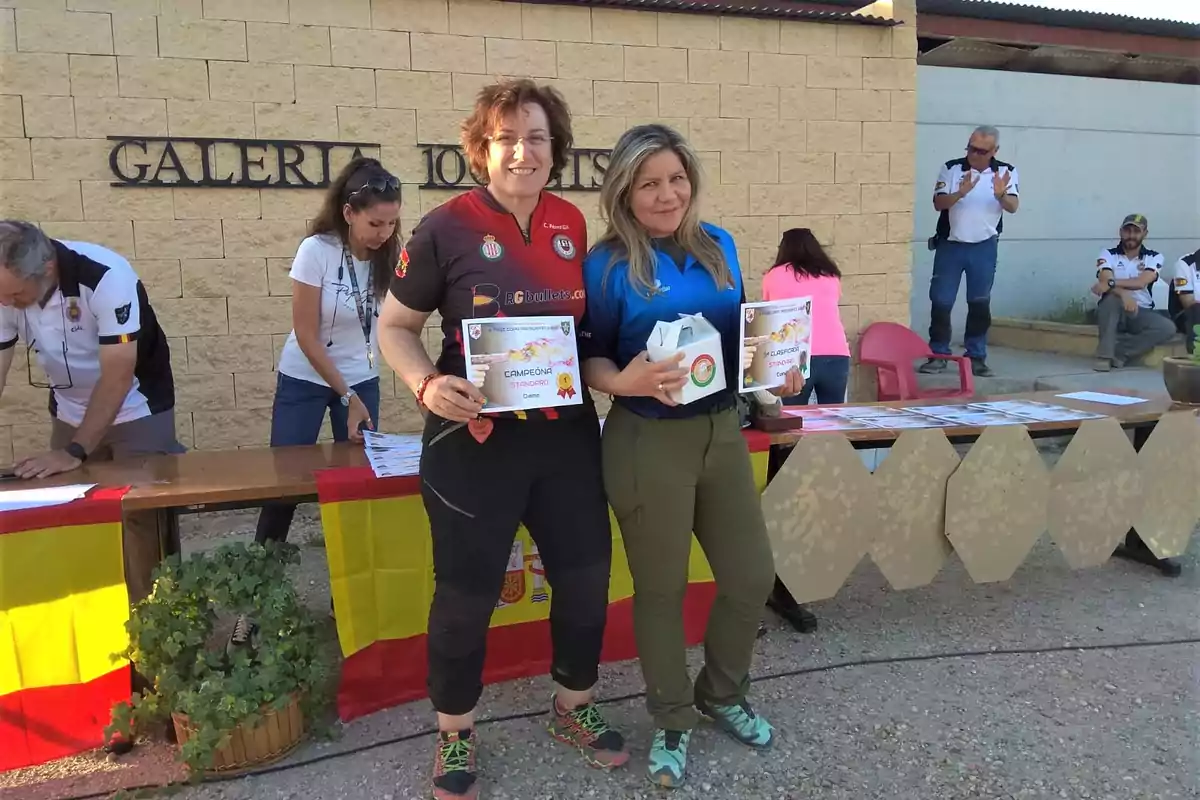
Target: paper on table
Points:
(18, 499)
(393, 455)
(903, 421)
(1101, 397)
(1040, 412)
(981, 419)
(864, 412)
(937, 411)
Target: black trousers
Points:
(545, 474)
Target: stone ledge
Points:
(1064, 338)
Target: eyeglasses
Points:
(29, 354)
(507, 141)
(978, 151)
(382, 184)
(32, 349)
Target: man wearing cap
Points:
(81, 310)
(1184, 285)
(1129, 325)
(972, 194)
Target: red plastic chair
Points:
(891, 349)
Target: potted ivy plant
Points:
(231, 707)
(1181, 374)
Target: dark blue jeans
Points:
(828, 378)
(951, 261)
(296, 419)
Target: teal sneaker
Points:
(668, 758)
(740, 722)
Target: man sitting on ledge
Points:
(1129, 325)
(1184, 286)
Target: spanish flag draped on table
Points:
(381, 574)
(63, 609)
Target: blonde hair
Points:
(626, 236)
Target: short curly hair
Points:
(499, 99)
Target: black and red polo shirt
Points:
(469, 259)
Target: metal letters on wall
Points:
(146, 161)
(213, 163)
(446, 168)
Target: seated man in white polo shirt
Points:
(82, 310)
(1185, 282)
(972, 194)
(1129, 325)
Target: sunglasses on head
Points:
(381, 184)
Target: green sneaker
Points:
(585, 729)
(668, 758)
(454, 767)
(740, 722)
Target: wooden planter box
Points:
(276, 734)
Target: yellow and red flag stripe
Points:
(63, 608)
(381, 574)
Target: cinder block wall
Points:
(800, 123)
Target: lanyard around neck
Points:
(364, 310)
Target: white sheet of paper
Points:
(19, 499)
(1101, 397)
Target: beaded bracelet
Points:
(423, 385)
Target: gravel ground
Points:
(1077, 723)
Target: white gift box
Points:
(700, 344)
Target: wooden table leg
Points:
(143, 552)
(1134, 549)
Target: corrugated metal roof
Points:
(1129, 10)
(1005, 11)
(777, 9)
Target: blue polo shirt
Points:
(619, 319)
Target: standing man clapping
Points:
(972, 195)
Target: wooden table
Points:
(163, 487)
(1140, 416)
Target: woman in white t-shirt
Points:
(331, 359)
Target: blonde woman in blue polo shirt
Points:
(673, 469)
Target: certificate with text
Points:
(525, 362)
(780, 332)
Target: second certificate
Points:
(780, 332)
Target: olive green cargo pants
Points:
(666, 478)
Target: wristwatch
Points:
(75, 450)
(346, 397)
(1112, 283)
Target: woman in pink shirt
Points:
(803, 269)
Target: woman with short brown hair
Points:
(507, 248)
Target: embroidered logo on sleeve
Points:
(1181, 282)
(123, 313)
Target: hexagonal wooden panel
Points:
(820, 509)
(996, 503)
(1170, 466)
(910, 544)
(1095, 493)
